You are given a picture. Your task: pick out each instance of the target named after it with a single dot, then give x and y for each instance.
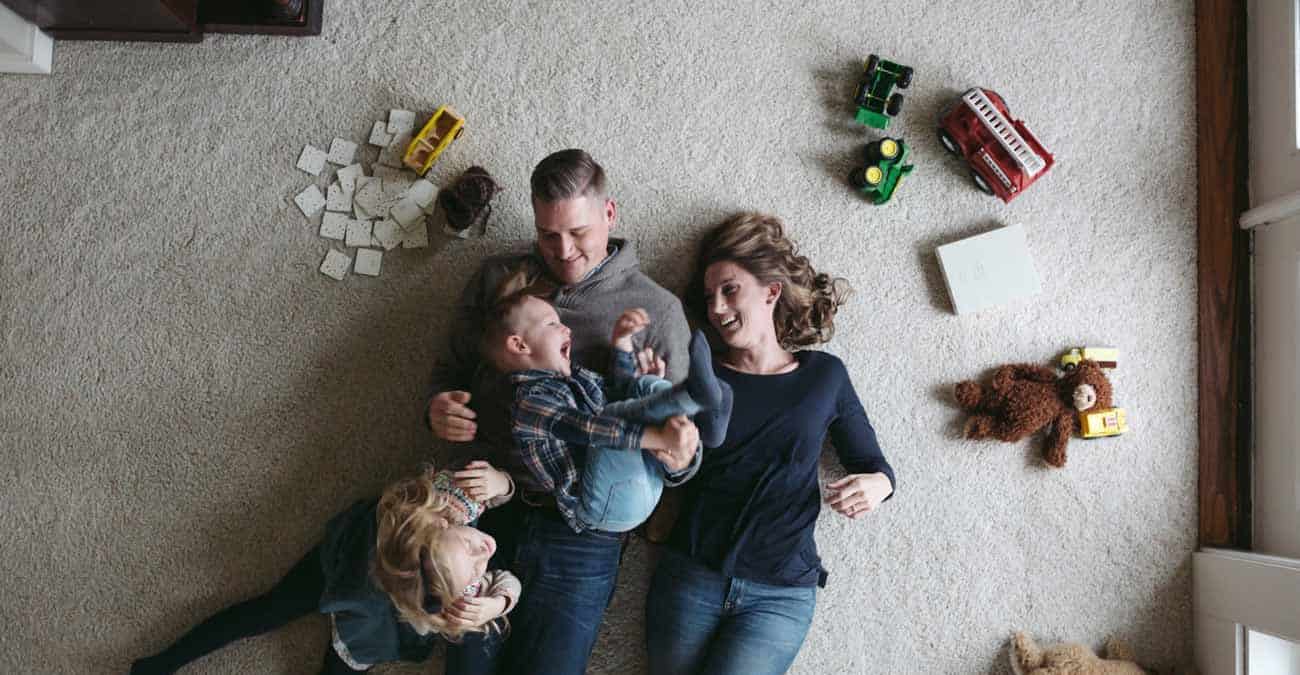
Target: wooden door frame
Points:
(1223, 276)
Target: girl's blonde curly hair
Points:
(805, 312)
(412, 517)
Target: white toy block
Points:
(367, 197)
(342, 152)
(358, 233)
(334, 225)
(422, 192)
(335, 265)
(379, 135)
(416, 236)
(368, 262)
(348, 176)
(312, 160)
(407, 213)
(337, 198)
(387, 234)
(392, 154)
(990, 269)
(310, 201)
(389, 173)
(400, 122)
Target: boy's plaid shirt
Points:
(556, 417)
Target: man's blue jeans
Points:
(568, 579)
(619, 488)
(699, 621)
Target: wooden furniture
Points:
(157, 20)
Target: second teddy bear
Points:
(1027, 658)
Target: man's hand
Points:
(631, 322)
(470, 612)
(481, 482)
(673, 444)
(450, 419)
(858, 493)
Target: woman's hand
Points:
(858, 493)
(631, 322)
(481, 482)
(471, 612)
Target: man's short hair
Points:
(567, 174)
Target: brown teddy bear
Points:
(1024, 399)
(1027, 658)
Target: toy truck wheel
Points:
(856, 178)
(895, 105)
(905, 77)
(458, 133)
(860, 96)
(980, 182)
(946, 140)
(873, 176)
(888, 148)
(869, 71)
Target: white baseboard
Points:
(24, 49)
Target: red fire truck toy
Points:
(1004, 157)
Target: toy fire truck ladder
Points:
(1002, 130)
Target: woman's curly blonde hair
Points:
(805, 312)
(412, 517)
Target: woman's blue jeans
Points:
(699, 621)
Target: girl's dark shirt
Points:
(751, 510)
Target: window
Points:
(1268, 655)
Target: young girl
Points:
(393, 574)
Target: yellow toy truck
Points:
(1106, 357)
(444, 127)
(1102, 423)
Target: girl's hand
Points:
(631, 322)
(858, 493)
(481, 482)
(471, 612)
(649, 364)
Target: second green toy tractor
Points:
(876, 104)
(884, 170)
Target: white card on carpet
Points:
(348, 176)
(989, 269)
(400, 121)
(358, 233)
(392, 154)
(312, 160)
(368, 262)
(342, 152)
(379, 135)
(334, 225)
(310, 201)
(337, 198)
(388, 234)
(422, 192)
(415, 237)
(335, 265)
(407, 213)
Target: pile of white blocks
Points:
(370, 213)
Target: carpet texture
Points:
(186, 400)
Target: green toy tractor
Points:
(876, 104)
(884, 170)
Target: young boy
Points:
(560, 419)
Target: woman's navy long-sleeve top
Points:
(751, 510)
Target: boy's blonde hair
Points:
(413, 516)
(502, 319)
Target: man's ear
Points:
(611, 213)
(515, 345)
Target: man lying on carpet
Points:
(594, 278)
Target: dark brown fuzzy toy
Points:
(1024, 399)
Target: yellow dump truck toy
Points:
(1106, 357)
(444, 127)
(1102, 423)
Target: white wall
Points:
(23, 47)
(1274, 159)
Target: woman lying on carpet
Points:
(395, 575)
(736, 587)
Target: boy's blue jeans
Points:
(621, 488)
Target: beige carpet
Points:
(185, 400)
